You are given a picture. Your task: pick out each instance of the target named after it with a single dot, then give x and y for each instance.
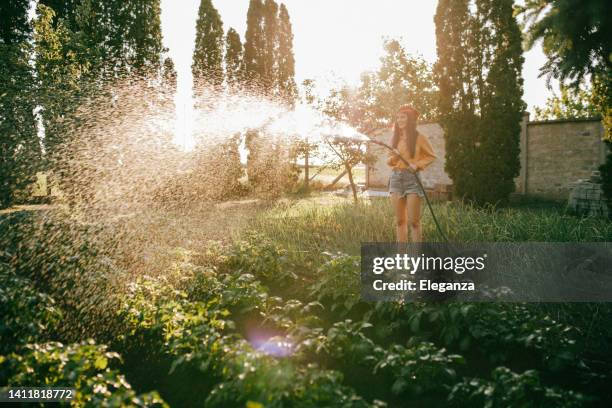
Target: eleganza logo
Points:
(490, 272)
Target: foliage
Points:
(286, 61)
(20, 152)
(234, 60)
(478, 73)
(27, 315)
(254, 44)
(401, 79)
(197, 333)
(576, 40)
(84, 366)
(337, 284)
(606, 175)
(257, 255)
(268, 51)
(509, 389)
(71, 264)
(575, 34)
(420, 368)
(470, 326)
(569, 104)
(207, 64)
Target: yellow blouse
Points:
(423, 154)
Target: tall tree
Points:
(234, 59)
(286, 60)
(254, 46)
(501, 104)
(270, 49)
(207, 64)
(143, 37)
(455, 103)
(480, 87)
(19, 146)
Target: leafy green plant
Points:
(258, 255)
(509, 389)
(337, 283)
(27, 315)
(419, 368)
(84, 366)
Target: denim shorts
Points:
(404, 182)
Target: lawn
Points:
(257, 304)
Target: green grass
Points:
(312, 226)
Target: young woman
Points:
(405, 192)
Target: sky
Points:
(334, 40)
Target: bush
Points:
(606, 177)
(509, 389)
(27, 315)
(83, 366)
(70, 262)
(337, 284)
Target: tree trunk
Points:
(349, 172)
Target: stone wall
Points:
(554, 155)
(559, 153)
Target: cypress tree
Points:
(19, 146)
(207, 64)
(455, 101)
(143, 39)
(480, 87)
(286, 61)
(254, 46)
(501, 105)
(234, 59)
(270, 49)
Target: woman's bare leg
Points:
(401, 220)
(414, 217)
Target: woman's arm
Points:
(426, 153)
(393, 159)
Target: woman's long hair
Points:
(410, 133)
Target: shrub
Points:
(337, 283)
(27, 315)
(509, 389)
(85, 366)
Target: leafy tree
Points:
(569, 103)
(234, 59)
(401, 79)
(19, 146)
(576, 35)
(480, 87)
(576, 39)
(207, 64)
(286, 61)
(143, 38)
(64, 9)
(59, 68)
